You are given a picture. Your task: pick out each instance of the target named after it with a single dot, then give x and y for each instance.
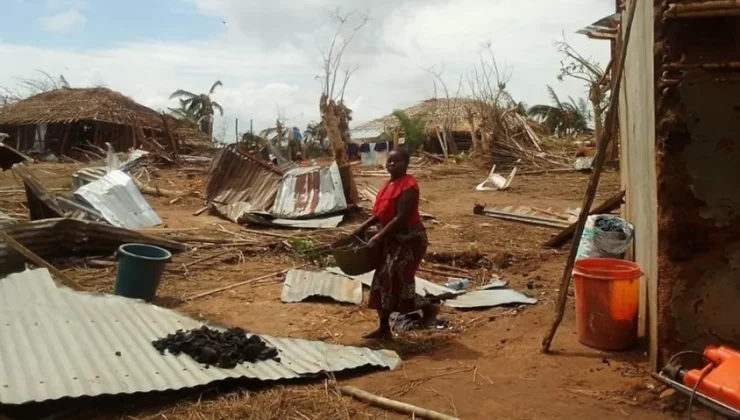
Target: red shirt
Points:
(387, 200)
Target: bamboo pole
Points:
(606, 136)
(243, 283)
(393, 405)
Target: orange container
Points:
(607, 302)
(720, 380)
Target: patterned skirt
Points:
(394, 286)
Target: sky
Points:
(268, 53)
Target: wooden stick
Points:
(608, 206)
(31, 256)
(396, 406)
(210, 257)
(274, 235)
(606, 136)
(235, 285)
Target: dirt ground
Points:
(487, 365)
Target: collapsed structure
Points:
(453, 125)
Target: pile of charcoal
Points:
(223, 349)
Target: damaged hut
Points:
(680, 165)
(462, 125)
(65, 119)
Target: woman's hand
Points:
(375, 241)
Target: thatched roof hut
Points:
(453, 113)
(62, 119)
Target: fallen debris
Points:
(519, 216)
(10, 156)
(424, 288)
(30, 256)
(496, 182)
(119, 333)
(223, 349)
(612, 203)
(300, 285)
(60, 238)
(242, 283)
(396, 406)
(119, 201)
(489, 299)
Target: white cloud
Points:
(269, 57)
(63, 22)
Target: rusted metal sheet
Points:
(57, 343)
(300, 285)
(52, 238)
(310, 192)
(237, 178)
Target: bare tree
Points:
(448, 117)
(597, 80)
(30, 86)
(334, 113)
(488, 83)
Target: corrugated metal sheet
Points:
(367, 134)
(120, 202)
(423, 287)
(309, 192)
(69, 237)
(489, 299)
(57, 343)
(300, 285)
(239, 178)
(604, 28)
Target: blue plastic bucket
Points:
(140, 269)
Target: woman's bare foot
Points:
(379, 334)
(429, 315)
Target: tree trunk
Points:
(339, 148)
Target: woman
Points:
(402, 241)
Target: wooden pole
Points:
(31, 256)
(399, 407)
(593, 182)
(235, 285)
(236, 129)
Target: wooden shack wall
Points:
(638, 168)
(698, 142)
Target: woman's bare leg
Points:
(384, 328)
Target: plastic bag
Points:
(605, 236)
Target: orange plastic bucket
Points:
(607, 302)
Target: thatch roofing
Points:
(64, 106)
(441, 112)
(75, 105)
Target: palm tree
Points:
(414, 129)
(187, 113)
(203, 105)
(562, 118)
